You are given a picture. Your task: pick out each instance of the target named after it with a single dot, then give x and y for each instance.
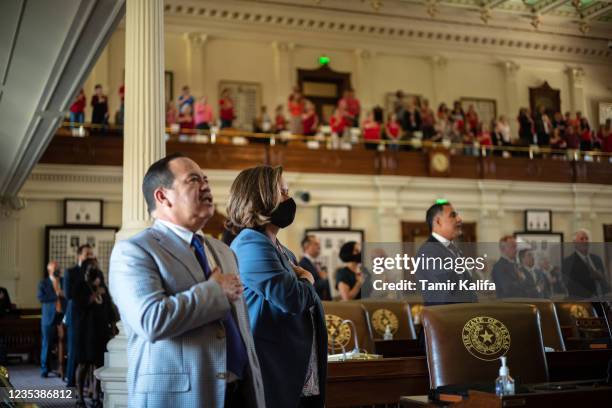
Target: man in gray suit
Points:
(180, 299)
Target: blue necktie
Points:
(237, 358)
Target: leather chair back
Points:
(549, 322)
(568, 312)
(341, 335)
(464, 343)
(394, 313)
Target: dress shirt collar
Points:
(507, 258)
(183, 233)
(440, 238)
(584, 257)
(310, 258)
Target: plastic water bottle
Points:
(504, 385)
(388, 335)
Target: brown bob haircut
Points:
(254, 194)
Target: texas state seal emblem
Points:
(486, 338)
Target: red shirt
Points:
(295, 108)
(351, 106)
(371, 131)
(337, 124)
(393, 129)
(226, 109)
(606, 143)
(122, 93)
(309, 123)
(79, 105)
(280, 123)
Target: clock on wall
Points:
(439, 163)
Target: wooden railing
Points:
(296, 156)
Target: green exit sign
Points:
(324, 60)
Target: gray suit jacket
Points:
(172, 316)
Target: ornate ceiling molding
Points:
(504, 40)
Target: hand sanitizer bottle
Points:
(388, 335)
(504, 385)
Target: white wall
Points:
(466, 73)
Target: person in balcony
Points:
(526, 127)
(185, 98)
(310, 119)
(572, 139)
(296, 104)
(605, 136)
(351, 107)
(185, 118)
(203, 114)
(543, 127)
(338, 122)
(393, 131)
(428, 120)
(280, 122)
(472, 120)
(371, 132)
(99, 104)
(77, 109)
(226, 109)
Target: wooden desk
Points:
(370, 382)
(21, 335)
(585, 396)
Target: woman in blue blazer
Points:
(285, 313)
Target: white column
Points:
(575, 77)
(284, 78)
(363, 79)
(439, 79)
(143, 144)
(196, 63)
(510, 69)
(143, 140)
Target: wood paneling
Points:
(356, 161)
(108, 150)
(525, 169)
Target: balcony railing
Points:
(230, 149)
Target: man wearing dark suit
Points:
(312, 249)
(511, 280)
(584, 272)
(445, 225)
(532, 283)
(72, 277)
(51, 296)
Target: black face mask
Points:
(284, 214)
(56, 274)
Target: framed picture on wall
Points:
(247, 98)
(543, 244)
(335, 216)
(331, 242)
(605, 112)
(538, 220)
(78, 211)
(62, 242)
(485, 108)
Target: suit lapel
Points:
(239, 307)
(176, 248)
